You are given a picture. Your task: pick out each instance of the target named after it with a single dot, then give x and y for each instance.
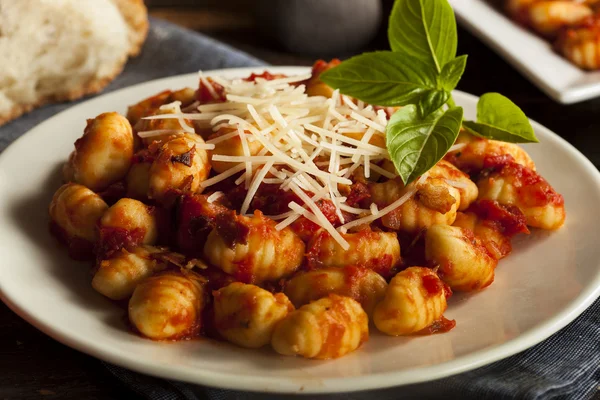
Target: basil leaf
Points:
(500, 119)
(432, 101)
(385, 79)
(416, 144)
(425, 30)
(452, 72)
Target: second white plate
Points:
(528, 53)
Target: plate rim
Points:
(568, 95)
(331, 385)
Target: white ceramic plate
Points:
(548, 280)
(530, 54)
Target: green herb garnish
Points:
(500, 119)
(420, 73)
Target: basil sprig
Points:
(385, 79)
(501, 119)
(424, 30)
(419, 74)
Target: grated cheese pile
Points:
(296, 134)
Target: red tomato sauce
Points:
(509, 219)
(440, 326)
(204, 95)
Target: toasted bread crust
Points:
(93, 86)
(135, 15)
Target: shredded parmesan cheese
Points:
(309, 145)
(456, 147)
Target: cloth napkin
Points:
(565, 366)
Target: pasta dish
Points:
(267, 211)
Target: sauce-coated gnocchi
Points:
(435, 202)
(327, 328)
(379, 251)
(464, 262)
(74, 213)
(117, 276)
(247, 315)
(179, 167)
(361, 284)
(414, 300)
(510, 183)
(168, 305)
(268, 210)
(103, 154)
(252, 250)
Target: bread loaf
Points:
(58, 50)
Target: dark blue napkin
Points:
(565, 366)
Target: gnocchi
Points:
(414, 300)
(247, 315)
(436, 202)
(179, 167)
(252, 250)
(74, 213)
(103, 154)
(580, 44)
(379, 251)
(470, 158)
(510, 183)
(572, 25)
(268, 211)
(237, 145)
(464, 262)
(128, 223)
(168, 305)
(117, 276)
(326, 328)
(361, 284)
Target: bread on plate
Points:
(59, 50)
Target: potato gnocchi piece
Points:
(126, 224)
(435, 202)
(103, 154)
(379, 251)
(251, 249)
(247, 315)
(549, 17)
(464, 262)
(518, 9)
(414, 300)
(232, 147)
(510, 183)
(179, 167)
(74, 212)
(316, 87)
(470, 158)
(152, 104)
(171, 126)
(496, 243)
(147, 106)
(138, 180)
(117, 276)
(327, 328)
(361, 284)
(168, 305)
(456, 178)
(581, 44)
(376, 139)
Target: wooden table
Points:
(33, 366)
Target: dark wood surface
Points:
(33, 366)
